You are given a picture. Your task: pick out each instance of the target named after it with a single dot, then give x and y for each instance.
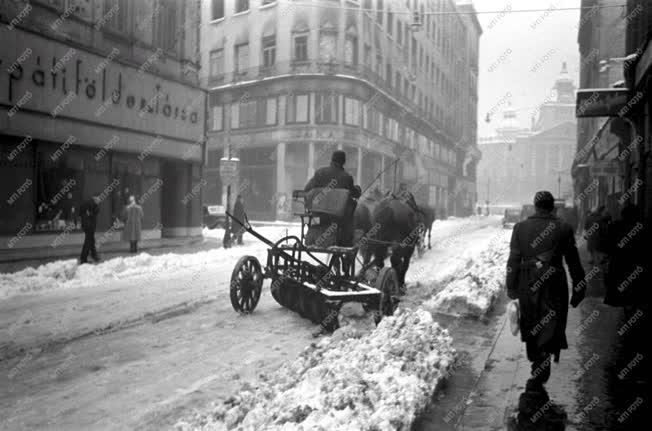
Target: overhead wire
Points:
(503, 11)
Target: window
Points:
(218, 118)
(301, 47)
(351, 111)
(327, 46)
(380, 11)
(367, 55)
(397, 82)
(241, 57)
(216, 63)
(253, 113)
(351, 50)
(118, 13)
(326, 107)
(399, 32)
(269, 51)
(217, 9)
(271, 111)
(390, 22)
(166, 19)
(297, 108)
(241, 5)
(379, 65)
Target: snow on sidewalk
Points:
(68, 273)
(381, 381)
(473, 288)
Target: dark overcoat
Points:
(334, 176)
(536, 276)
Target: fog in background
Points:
(512, 44)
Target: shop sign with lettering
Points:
(59, 80)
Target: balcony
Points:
(322, 67)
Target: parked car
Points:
(511, 217)
(214, 216)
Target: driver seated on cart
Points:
(328, 178)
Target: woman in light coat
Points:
(133, 224)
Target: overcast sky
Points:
(512, 45)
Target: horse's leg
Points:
(407, 255)
(397, 264)
(429, 232)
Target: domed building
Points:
(518, 161)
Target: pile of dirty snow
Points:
(380, 381)
(472, 292)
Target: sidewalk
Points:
(12, 260)
(597, 382)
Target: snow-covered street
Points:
(145, 341)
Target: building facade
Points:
(598, 179)
(289, 83)
(99, 97)
(519, 161)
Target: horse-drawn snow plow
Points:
(310, 276)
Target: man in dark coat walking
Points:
(536, 277)
(88, 212)
(335, 177)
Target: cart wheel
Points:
(387, 284)
(246, 284)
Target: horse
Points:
(397, 227)
(427, 217)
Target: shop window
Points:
(326, 108)
(66, 175)
(351, 111)
(297, 108)
(216, 63)
(269, 51)
(217, 9)
(217, 118)
(241, 6)
(301, 47)
(241, 57)
(127, 174)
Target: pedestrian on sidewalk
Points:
(133, 224)
(237, 229)
(536, 277)
(88, 212)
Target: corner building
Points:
(290, 82)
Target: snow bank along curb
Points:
(381, 381)
(68, 273)
(473, 291)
